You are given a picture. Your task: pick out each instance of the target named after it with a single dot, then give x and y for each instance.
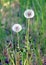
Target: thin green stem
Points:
(18, 55)
(22, 59)
(18, 39)
(27, 37)
(28, 46)
(37, 54)
(10, 57)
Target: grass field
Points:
(27, 47)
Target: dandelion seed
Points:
(16, 28)
(29, 13)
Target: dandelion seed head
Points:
(29, 13)
(16, 28)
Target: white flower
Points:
(16, 28)
(29, 13)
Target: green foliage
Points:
(15, 14)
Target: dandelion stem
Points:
(18, 55)
(18, 39)
(22, 59)
(27, 35)
(17, 58)
(28, 48)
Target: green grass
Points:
(37, 27)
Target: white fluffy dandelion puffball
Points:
(29, 13)
(16, 28)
